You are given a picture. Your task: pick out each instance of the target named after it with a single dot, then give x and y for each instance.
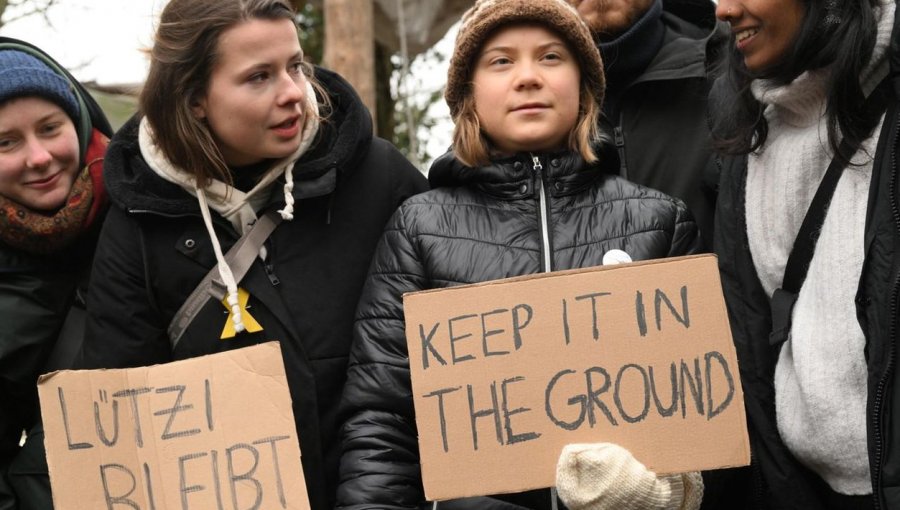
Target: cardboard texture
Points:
(214, 432)
(506, 373)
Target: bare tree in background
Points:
(23, 9)
(350, 45)
(362, 41)
(364, 47)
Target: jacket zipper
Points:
(889, 368)
(755, 470)
(879, 398)
(543, 219)
(270, 272)
(543, 213)
(619, 138)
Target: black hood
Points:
(701, 13)
(344, 136)
(91, 116)
(692, 41)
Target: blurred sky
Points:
(102, 41)
(98, 40)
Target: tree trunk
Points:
(3, 4)
(384, 70)
(350, 45)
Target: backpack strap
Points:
(239, 258)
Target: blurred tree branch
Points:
(23, 9)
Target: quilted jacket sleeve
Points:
(380, 460)
(686, 239)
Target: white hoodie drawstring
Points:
(224, 271)
(288, 212)
(310, 128)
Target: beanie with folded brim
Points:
(24, 75)
(487, 16)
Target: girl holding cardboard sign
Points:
(530, 186)
(807, 234)
(236, 132)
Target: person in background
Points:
(234, 125)
(810, 270)
(526, 189)
(658, 56)
(52, 201)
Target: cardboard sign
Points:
(506, 373)
(209, 432)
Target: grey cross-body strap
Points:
(239, 258)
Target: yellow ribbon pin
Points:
(249, 322)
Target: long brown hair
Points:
(181, 63)
(472, 147)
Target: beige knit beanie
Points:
(486, 16)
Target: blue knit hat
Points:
(23, 75)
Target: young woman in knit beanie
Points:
(52, 140)
(234, 126)
(530, 186)
(807, 235)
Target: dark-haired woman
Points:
(52, 202)
(810, 271)
(233, 125)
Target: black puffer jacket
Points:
(154, 250)
(480, 224)
(781, 482)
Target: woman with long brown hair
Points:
(234, 125)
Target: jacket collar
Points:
(513, 178)
(692, 33)
(630, 53)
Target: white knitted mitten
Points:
(605, 476)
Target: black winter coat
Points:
(781, 482)
(658, 116)
(480, 224)
(37, 294)
(42, 313)
(154, 250)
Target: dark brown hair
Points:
(840, 35)
(181, 63)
